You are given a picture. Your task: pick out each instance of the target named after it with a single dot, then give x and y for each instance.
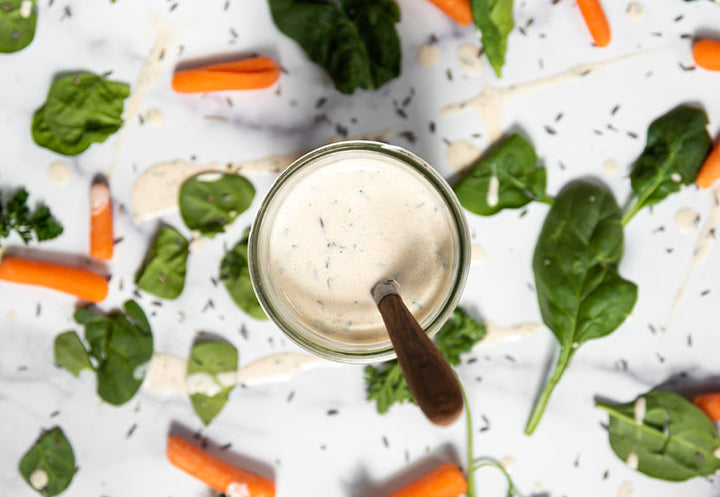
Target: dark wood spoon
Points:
(432, 381)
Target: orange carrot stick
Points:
(101, 222)
(707, 54)
(710, 170)
(246, 74)
(596, 21)
(459, 10)
(215, 473)
(710, 405)
(75, 281)
(445, 481)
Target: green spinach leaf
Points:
(70, 353)
(49, 465)
(210, 201)
(386, 384)
(494, 19)
(235, 274)
(121, 344)
(677, 144)
(673, 440)
(16, 216)
(81, 109)
(211, 376)
(18, 19)
(512, 171)
(355, 41)
(580, 292)
(163, 274)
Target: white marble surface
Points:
(284, 427)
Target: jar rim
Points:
(431, 176)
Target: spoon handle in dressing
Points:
(432, 382)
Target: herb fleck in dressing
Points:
(351, 221)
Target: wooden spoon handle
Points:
(430, 378)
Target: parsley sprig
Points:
(386, 385)
(16, 216)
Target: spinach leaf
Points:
(677, 144)
(209, 201)
(49, 465)
(16, 216)
(121, 344)
(581, 294)
(163, 274)
(211, 376)
(235, 274)
(494, 19)
(355, 42)
(18, 19)
(386, 384)
(81, 109)
(512, 167)
(674, 440)
(70, 353)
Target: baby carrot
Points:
(710, 170)
(445, 481)
(101, 222)
(217, 474)
(707, 54)
(458, 10)
(246, 74)
(596, 21)
(75, 281)
(710, 405)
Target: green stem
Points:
(634, 209)
(470, 450)
(488, 461)
(546, 199)
(541, 402)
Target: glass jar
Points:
(292, 247)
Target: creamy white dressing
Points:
(632, 460)
(236, 489)
(508, 463)
(490, 102)
(39, 479)
(639, 410)
(611, 166)
(155, 191)
(717, 453)
(516, 332)
(704, 243)
(99, 198)
(167, 373)
(58, 173)
(676, 177)
(476, 252)
(635, 10)
(687, 220)
(149, 73)
(351, 220)
(154, 116)
(493, 193)
(470, 59)
(428, 55)
(25, 9)
(626, 489)
(202, 383)
(461, 154)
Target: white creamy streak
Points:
(632, 460)
(167, 373)
(428, 55)
(490, 103)
(58, 172)
(470, 59)
(687, 220)
(516, 332)
(351, 221)
(39, 479)
(202, 383)
(639, 410)
(460, 154)
(704, 243)
(236, 489)
(493, 193)
(155, 191)
(626, 489)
